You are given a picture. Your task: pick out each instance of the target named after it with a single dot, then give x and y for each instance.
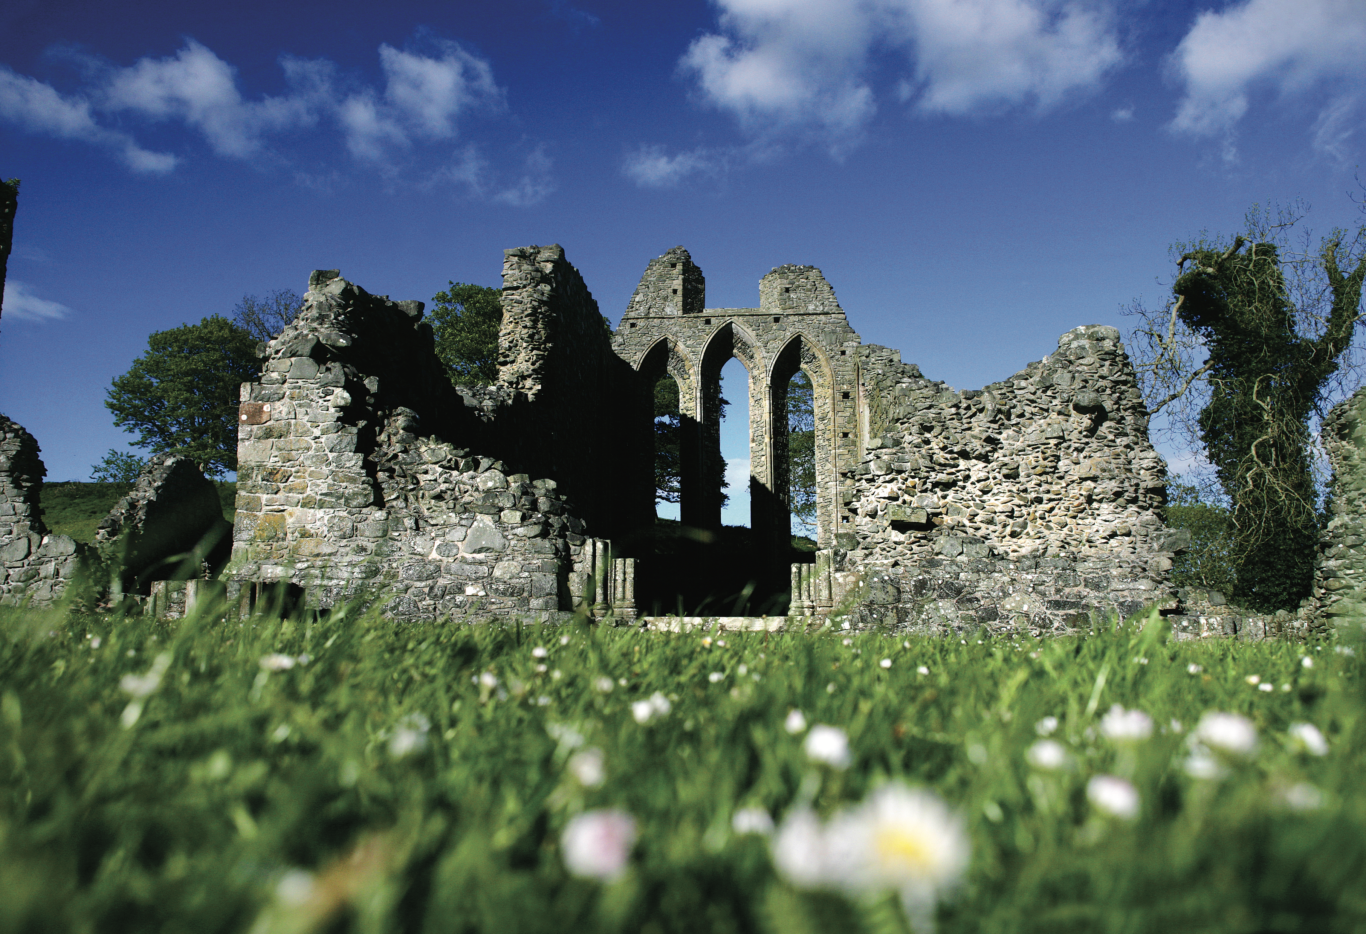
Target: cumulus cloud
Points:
(778, 64)
(40, 108)
(423, 96)
(1287, 45)
(19, 303)
(972, 55)
(653, 167)
(198, 88)
(425, 92)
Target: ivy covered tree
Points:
(1274, 326)
(466, 319)
(181, 395)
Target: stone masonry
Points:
(1033, 503)
(35, 565)
(363, 472)
(1339, 596)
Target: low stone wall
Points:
(35, 565)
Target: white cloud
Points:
(200, 89)
(972, 55)
(652, 167)
(40, 108)
(22, 305)
(431, 92)
(1122, 114)
(534, 185)
(423, 97)
(1334, 129)
(780, 64)
(1288, 45)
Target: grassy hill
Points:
(75, 509)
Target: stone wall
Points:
(1339, 594)
(562, 392)
(9, 201)
(361, 470)
(1055, 460)
(35, 565)
(1033, 503)
(170, 526)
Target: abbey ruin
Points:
(1033, 504)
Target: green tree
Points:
(1208, 563)
(668, 457)
(801, 453)
(668, 485)
(117, 467)
(181, 395)
(1274, 325)
(466, 321)
(264, 318)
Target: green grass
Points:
(237, 798)
(75, 509)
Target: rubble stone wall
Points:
(361, 470)
(563, 392)
(35, 565)
(1339, 592)
(1033, 503)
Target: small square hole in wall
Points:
(631, 325)
(707, 321)
(675, 291)
(673, 265)
(843, 352)
(844, 519)
(844, 395)
(777, 320)
(843, 434)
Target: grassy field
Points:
(75, 509)
(348, 774)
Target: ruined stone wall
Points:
(1339, 594)
(1055, 460)
(564, 392)
(35, 565)
(9, 202)
(1032, 503)
(361, 470)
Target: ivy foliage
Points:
(1266, 374)
(181, 395)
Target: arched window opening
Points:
(668, 455)
(801, 458)
(733, 478)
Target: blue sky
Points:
(974, 177)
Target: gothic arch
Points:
(802, 353)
